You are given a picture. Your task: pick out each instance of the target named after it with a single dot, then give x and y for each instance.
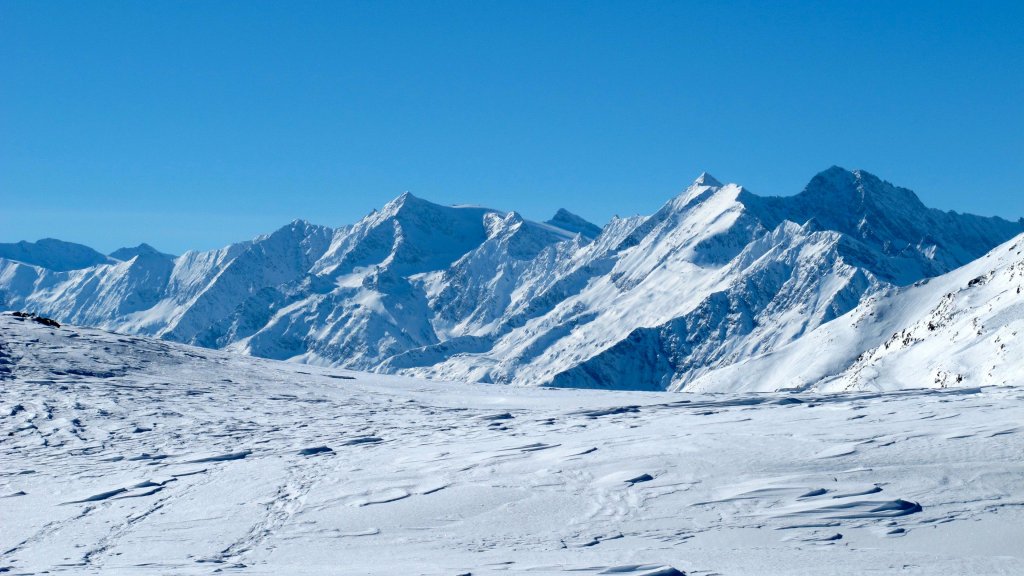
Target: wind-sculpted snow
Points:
(129, 455)
(715, 279)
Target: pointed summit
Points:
(397, 203)
(127, 253)
(706, 179)
(702, 188)
(406, 203)
(497, 223)
(296, 230)
(572, 223)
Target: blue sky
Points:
(195, 124)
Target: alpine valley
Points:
(852, 284)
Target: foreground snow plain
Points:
(127, 455)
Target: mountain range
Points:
(851, 284)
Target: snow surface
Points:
(129, 455)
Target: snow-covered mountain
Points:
(129, 252)
(53, 254)
(717, 276)
(717, 280)
(352, 296)
(962, 328)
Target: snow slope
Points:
(129, 455)
(714, 279)
(960, 329)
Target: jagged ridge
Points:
(717, 277)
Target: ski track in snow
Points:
(125, 455)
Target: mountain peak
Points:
(836, 172)
(572, 223)
(844, 188)
(296, 228)
(706, 179)
(408, 198)
(127, 253)
(53, 254)
(704, 187)
(497, 223)
(403, 203)
(915, 241)
(835, 183)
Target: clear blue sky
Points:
(195, 124)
